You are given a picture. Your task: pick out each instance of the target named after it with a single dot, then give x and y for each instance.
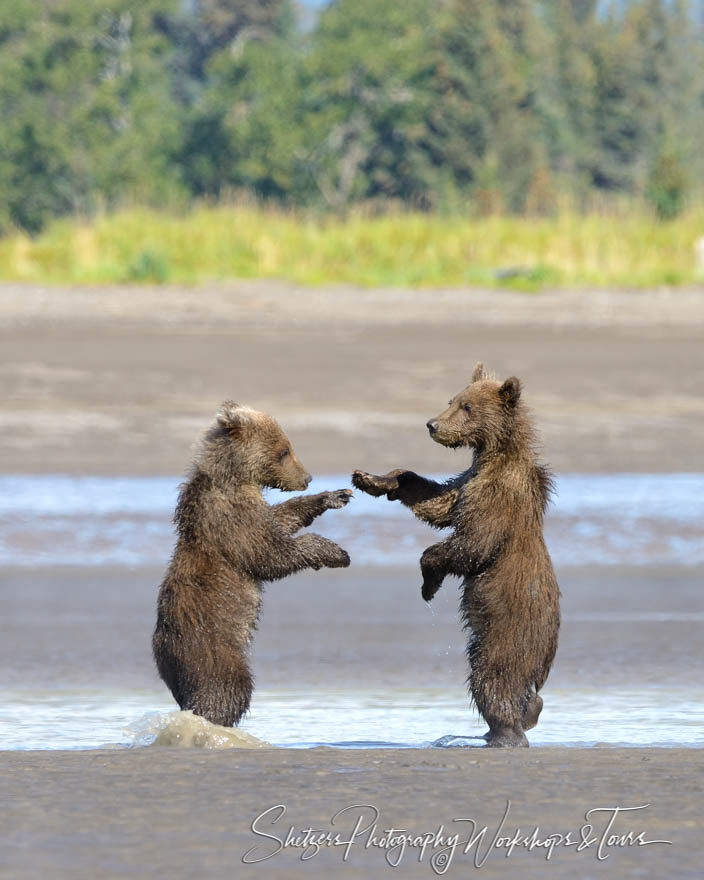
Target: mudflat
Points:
(122, 380)
(160, 812)
(364, 628)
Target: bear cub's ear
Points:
(510, 392)
(479, 372)
(231, 416)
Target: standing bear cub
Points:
(230, 541)
(510, 599)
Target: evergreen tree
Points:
(483, 120)
(487, 105)
(566, 93)
(365, 98)
(240, 128)
(86, 109)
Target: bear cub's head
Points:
(247, 446)
(482, 416)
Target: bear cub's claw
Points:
(339, 498)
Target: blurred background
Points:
(330, 212)
(527, 143)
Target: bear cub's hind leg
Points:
(501, 735)
(532, 711)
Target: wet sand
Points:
(121, 380)
(169, 813)
(92, 627)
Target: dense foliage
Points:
(482, 106)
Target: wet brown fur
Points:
(230, 540)
(510, 599)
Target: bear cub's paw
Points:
(506, 738)
(429, 589)
(337, 499)
(323, 553)
(337, 557)
(373, 485)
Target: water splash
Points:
(185, 730)
(451, 741)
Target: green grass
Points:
(405, 249)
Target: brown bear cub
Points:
(230, 540)
(510, 599)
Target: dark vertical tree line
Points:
(472, 105)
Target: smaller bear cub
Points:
(230, 540)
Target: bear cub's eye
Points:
(467, 407)
(284, 453)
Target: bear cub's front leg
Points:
(298, 513)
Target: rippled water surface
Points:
(349, 719)
(634, 519)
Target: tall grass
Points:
(405, 249)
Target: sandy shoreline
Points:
(158, 812)
(122, 380)
(223, 305)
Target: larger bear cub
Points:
(230, 540)
(510, 598)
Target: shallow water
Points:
(634, 519)
(633, 620)
(346, 719)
